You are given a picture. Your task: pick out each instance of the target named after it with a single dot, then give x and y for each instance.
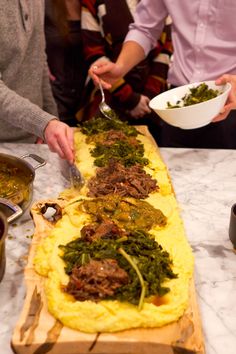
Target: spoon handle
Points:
(102, 92)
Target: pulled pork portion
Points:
(125, 181)
(106, 230)
(96, 280)
(110, 137)
(113, 135)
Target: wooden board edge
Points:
(30, 311)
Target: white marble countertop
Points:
(205, 186)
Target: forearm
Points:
(93, 46)
(131, 54)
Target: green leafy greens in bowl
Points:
(198, 94)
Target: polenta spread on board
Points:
(118, 258)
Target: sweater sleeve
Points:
(49, 104)
(93, 41)
(21, 112)
(123, 94)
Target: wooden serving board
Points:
(38, 332)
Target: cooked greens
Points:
(98, 125)
(153, 263)
(121, 151)
(197, 94)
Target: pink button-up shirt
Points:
(203, 32)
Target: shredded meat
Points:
(107, 229)
(113, 135)
(110, 137)
(126, 181)
(96, 280)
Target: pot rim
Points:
(28, 171)
(17, 211)
(21, 160)
(3, 235)
(3, 219)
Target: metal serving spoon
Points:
(72, 174)
(76, 178)
(106, 110)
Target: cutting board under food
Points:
(38, 332)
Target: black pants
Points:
(221, 135)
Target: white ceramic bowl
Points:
(189, 117)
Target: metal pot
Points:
(17, 202)
(17, 211)
(25, 171)
(3, 233)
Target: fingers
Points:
(232, 97)
(51, 76)
(55, 147)
(219, 118)
(70, 154)
(226, 78)
(96, 76)
(70, 135)
(66, 147)
(148, 110)
(142, 108)
(96, 79)
(59, 138)
(105, 84)
(139, 113)
(136, 115)
(223, 114)
(92, 74)
(106, 72)
(231, 100)
(223, 79)
(39, 141)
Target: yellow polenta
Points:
(111, 316)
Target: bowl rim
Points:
(227, 85)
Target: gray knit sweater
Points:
(25, 93)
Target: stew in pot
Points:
(12, 180)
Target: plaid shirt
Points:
(105, 24)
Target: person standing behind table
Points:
(104, 26)
(27, 108)
(204, 41)
(65, 56)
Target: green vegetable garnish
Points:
(152, 267)
(121, 151)
(198, 94)
(98, 125)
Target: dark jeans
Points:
(221, 135)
